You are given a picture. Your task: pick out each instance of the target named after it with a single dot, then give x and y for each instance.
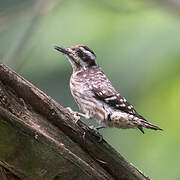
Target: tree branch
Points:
(40, 139)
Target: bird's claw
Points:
(96, 132)
(75, 114)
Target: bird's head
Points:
(80, 56)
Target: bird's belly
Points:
(87, 103)
(93, 108)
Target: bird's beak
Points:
(62, 49)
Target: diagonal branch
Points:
(37, 119)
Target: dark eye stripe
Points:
(80, 53)
(86, 58)
(83, 56)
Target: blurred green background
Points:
(137, 43)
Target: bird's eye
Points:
(80, 53)
(86, 56)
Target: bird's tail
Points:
(148, 125)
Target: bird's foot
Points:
(96, 132)
(75, 114)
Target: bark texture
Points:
(39, 139)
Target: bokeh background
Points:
(137, 43)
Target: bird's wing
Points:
(104, 91)
(113, 99)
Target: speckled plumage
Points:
(95, 95)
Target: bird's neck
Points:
(84, 69)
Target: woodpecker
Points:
(96, 96)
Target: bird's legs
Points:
(77, 115)
(96, 132)
(94, 129)
(86, 116)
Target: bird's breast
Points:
(85, 99)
